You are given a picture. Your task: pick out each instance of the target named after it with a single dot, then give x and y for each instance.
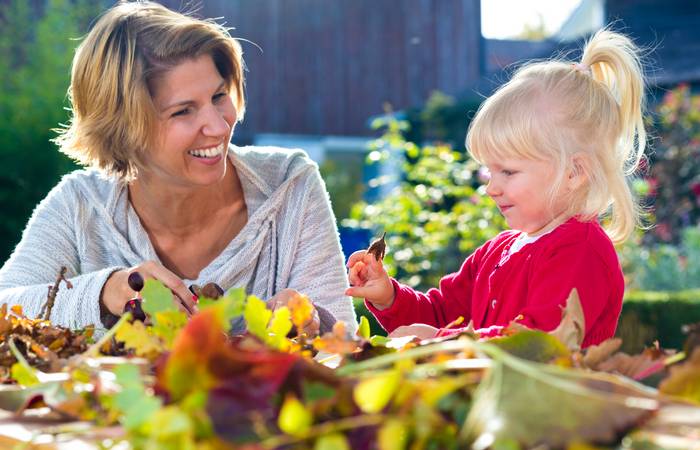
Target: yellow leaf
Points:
(302, 310)
(294, 418)
(373, 394)
(392, 435)
(135, 336)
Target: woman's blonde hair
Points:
(114, 69)
(559, 111)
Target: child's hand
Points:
(419, 330)
(369, 280)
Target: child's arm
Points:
(394, 304)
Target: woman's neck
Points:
(180, 211)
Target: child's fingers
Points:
(356, 257)
(355, 275)
(359, 291)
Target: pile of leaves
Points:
(191, 385)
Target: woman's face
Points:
(196, 117)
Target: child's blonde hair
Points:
(589, 112)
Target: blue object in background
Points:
(354, 239)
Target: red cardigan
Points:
(492, 288)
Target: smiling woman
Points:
(156, 96)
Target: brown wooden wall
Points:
(326, 66)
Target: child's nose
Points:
(492, 188)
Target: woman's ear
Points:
(577, 174)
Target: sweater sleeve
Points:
(48, 242)
(597, 279)
(318, 269)
(437, 307)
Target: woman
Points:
(155, 97)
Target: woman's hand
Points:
(116, 291)
(282, 298)
(369, 280)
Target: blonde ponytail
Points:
(614, 62)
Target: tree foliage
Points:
(36, 49)
(437, 212)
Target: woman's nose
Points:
(215, 123)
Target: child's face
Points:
(521, 189)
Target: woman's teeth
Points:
(208, 153)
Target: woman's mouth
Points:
(208, 153)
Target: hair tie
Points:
(583, 68)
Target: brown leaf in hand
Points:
(378, 248)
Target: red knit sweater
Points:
(492, 288)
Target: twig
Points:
(53, 290)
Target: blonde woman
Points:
(558, 140)
(155, 96)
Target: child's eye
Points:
(508, 173)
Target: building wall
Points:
(324, 67)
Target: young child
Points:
(558, 141)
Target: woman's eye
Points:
(181, 112)
(218, 97)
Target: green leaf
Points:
(227, 307)
(532, 345)
(24, 374)
(294, 419)
(157, 297)
(314, 391)
(136, 405)
(516, 398)
(334, 441)
(379, 341)
(373, 393)
(167, 324)
(257, 316)
(363, 328)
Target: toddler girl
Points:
(558, 141)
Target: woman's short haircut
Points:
(114, 69)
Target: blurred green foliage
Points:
(674, 174)
(437, 213)
(37, 42)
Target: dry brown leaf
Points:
(595, 354)
(684, 379)
(572, 327)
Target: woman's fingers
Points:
(181, 293)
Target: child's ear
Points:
(577, 175)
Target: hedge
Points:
(646, 317)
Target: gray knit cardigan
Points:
(87, 224)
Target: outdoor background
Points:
(380, 94)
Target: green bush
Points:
(435, 216)
(649, 316)
(35, 57)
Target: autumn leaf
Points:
(156, 298)
(684, 379)
(136, 336)
(516, 400)
(572, 328)
(302, 310)
(363, 328)
(294, 418)
(532, 345)
(373, 393)
(257, 316)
